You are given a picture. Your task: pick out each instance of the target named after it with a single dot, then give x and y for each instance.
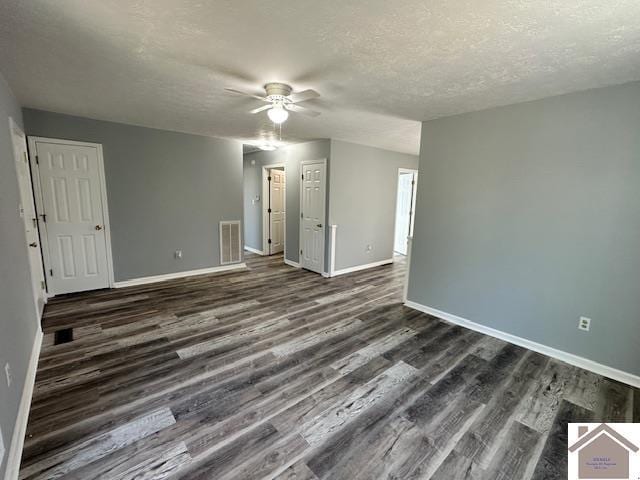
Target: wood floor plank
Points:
(322, 426)
(517, 454)
(297, 471)
(55, 466)
(276, 372)
(552, 464)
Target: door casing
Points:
(37, 189)
(265, 206)
(36, 267)
(412, 206)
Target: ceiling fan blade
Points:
(233, 90)
(303, 110)
(303, 96)
(261, 109)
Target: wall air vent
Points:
(230, 242)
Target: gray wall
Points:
(364, 184)
(18, 317)
(291, 156)
(166, 191)
(528, 217)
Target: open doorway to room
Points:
(405, 206)
(273, 209)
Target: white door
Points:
(405, 205)
(72, 216)
(277, 210)
(28, 213)
(312, 209)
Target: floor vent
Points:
(63, 336)
(230, 246)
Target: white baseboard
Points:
(20, 428)
(357, 268)
(172, 276)
(253, 250)
(291, 263)
(566, 357)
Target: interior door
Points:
(28, 213)
(313, 213)
(72, 216)
(277, 211)
(404, 210)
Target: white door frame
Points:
(42, 292)
(39, 201)
(265, 207)
(324, 209)
(413, 201)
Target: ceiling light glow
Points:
(278, 114)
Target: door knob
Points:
(33, 244)
(98, 227)
(319, 225)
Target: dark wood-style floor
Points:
(274, 372)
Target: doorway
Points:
(29, 217)
(71, 203)
(274, 209)
(405, 207)
(312, 213)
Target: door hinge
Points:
(26, 159)
(42, 285)
(301, 215)
(51, 272)
(303, 176)
(269, 241)
(300, 251)
(269, 210)
(44, 217)
(269, 178)
(37, 160)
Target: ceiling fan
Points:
(281, 100)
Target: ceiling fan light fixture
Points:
(277, 114)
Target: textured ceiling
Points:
(381, 66)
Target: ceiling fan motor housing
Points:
(278, 92)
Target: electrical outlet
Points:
(584, 324)
(7, 372)
(178, 254)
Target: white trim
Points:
(291, 263)
(265, 206)
(253, 250)
(40, 295)
(566, 357)
(412, 207)
(357, 268)
(39, 201)
(332, 249)
(172, 276)
(20, 428)
(405, 287)
(324, 210)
